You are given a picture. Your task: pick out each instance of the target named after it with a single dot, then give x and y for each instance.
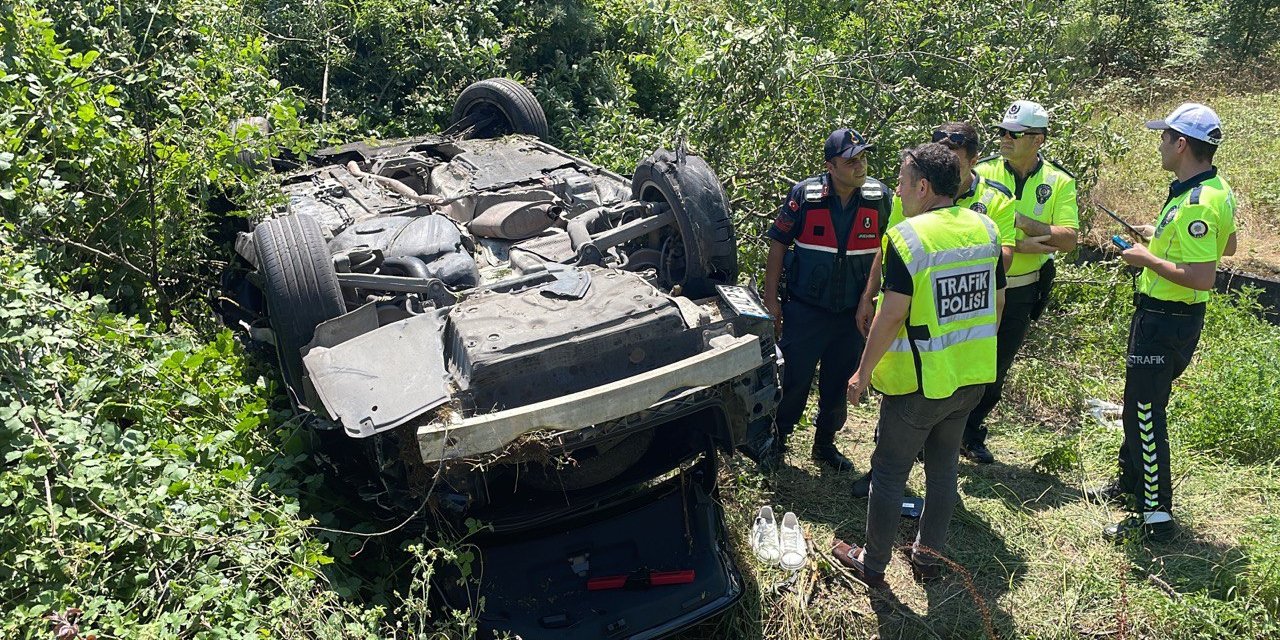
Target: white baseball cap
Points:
(1194, 120)
(1023, 115)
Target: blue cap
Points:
(845, 143)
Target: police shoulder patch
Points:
(1061, 168)
(998, 187)
(1043, 193)
(784, 223)
(978, 207)
(814, 191)
(1197, 228)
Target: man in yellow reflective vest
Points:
(930, 351)
(1195, 229)
(979, 194)
(1046, 220)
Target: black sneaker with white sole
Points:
(1136, 529)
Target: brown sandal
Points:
(847, 555)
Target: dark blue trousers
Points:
(816, 339)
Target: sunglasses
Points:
(1013, 135)
(958, 139)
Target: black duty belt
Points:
(1168, 307)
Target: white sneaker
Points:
(791, 540)
(764, 537)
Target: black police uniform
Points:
(832, 247)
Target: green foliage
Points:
(1248, 28)
(147, 478)
(115, 132)
(1228, 396)
(140, 483)
(1130, 34)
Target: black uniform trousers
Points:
(1019, 305)
(1160, 348)
(813, 335)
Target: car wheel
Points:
(497, 107)
(701, 250)
(300, 287)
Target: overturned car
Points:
(509, 333)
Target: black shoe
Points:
(1109, 493)
(977, 452)
(862, 486)
(829, 455)
(1135, 529)
(922, 572)
(772, 458)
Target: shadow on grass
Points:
(1019, 487)
(1187, 565)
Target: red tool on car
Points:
(641, 579)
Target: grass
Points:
(1135, 186)
(1026, 539)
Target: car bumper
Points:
(725, 358)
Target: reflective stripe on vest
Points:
(929, 260)
(945, 340)
(988, 195)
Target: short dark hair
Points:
(965, 129)
(1200, 150)
(936, 164)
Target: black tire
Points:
(497, 107)
(300, 287)
(704, 250)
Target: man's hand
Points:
(774, 308)
(1031, 226)
(1139, 256)
(1035, 244)
(866, 312)
(858, 386)
(1148, 231)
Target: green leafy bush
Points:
(141, 482)
(115, 134)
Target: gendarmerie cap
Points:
(846, 143)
